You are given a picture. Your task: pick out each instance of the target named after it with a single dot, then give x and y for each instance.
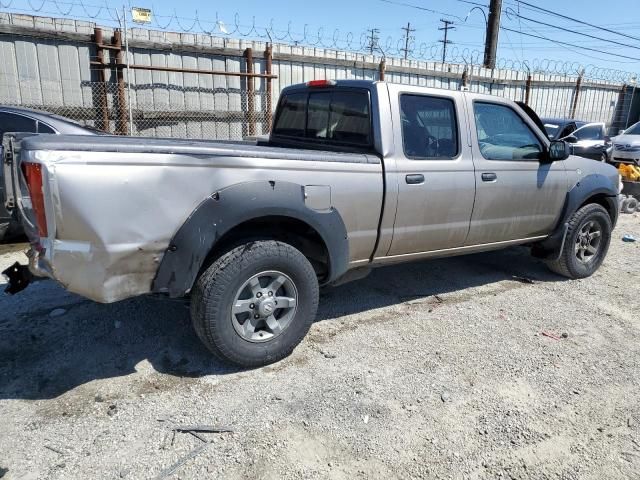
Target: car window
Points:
(331, 117)
(503, 134)
(551, 129)
(11, 122)
(44, 128)
(429, 127)
(590, 132)
(291, 118)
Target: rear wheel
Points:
(586, 243)
(255, 303)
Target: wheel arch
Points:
(252, 210)
(594, 188)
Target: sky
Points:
(352, 18)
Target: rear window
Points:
(340, 117)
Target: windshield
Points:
(551, 129)
(633, 129)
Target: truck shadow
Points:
(44, 356)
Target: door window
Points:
(503, 134)
(429, 127)
(590, 132)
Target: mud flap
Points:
(19, 278)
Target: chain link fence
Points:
(155, 110)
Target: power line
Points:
(569, 44)
(445, 42)
(566, 17)
(407, 39)
(568, 29)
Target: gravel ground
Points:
(437, 369)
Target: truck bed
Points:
(113, 204)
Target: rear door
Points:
(517, 195)
(434, 170)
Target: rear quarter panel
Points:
(113, 214)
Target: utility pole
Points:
(446, 41)
(491, 38)
(407, 39)
(373, 39)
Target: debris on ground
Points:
(203, 429)
(628, 238)
(171, 470)
(551, 335)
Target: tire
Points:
(630, 205)
(590, 219)
(230, 282)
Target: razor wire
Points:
(330, 39)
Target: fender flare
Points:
(227, 208)
(587, 187)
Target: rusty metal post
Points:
(269, 59)
(102, 120)
(381, 69)
(250, 114)
(465, 79)
(576, 95)
(122, 99)
(527, 90)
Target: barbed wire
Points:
(319, 37)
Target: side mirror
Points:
(620, 132)
(570, 139)
(558, 150)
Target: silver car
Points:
(626, 146)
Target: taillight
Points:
(321, 83)
(33, 176)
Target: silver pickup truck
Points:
(355, 174)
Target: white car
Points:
(626, 146)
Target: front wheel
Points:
(586, 243)
(255, 303)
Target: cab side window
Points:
(429, 127)
(503, 134)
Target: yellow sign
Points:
(141, 15)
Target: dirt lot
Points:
(432, 370)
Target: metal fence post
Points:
(527, 90)
(269, 59)
(122, 100)
(250, 114)
(102, 120)
(576, 95)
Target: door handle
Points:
(489, 177)
(415, 179)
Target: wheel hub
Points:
(264, 306)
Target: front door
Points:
(517, 195)
(434, 171)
